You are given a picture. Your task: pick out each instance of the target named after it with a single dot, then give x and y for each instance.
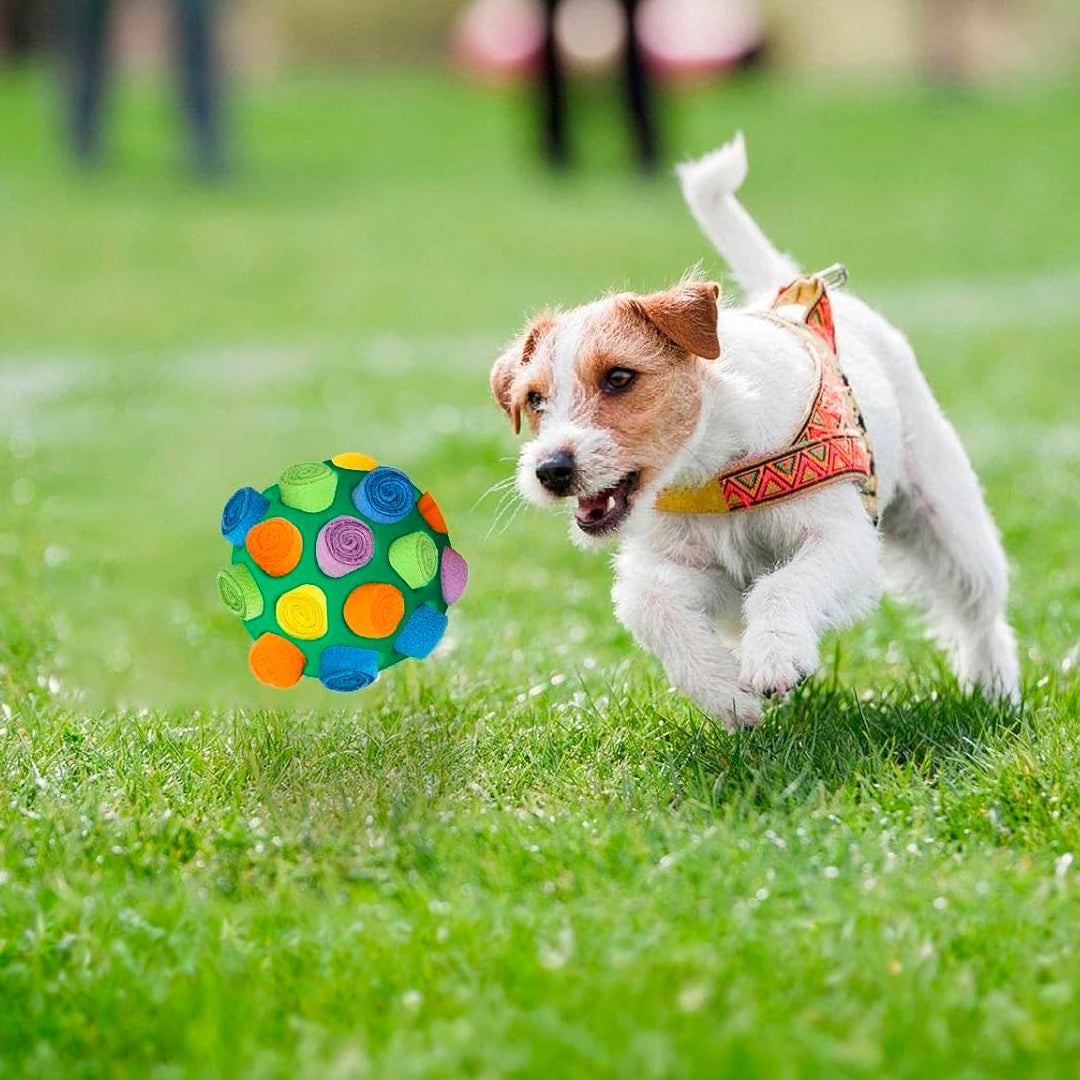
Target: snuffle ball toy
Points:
(339, 570)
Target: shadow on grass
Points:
(826, 737)
(426, 750)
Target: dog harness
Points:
(831, 444)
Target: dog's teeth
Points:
(610, 504)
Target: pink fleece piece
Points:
(453, 575)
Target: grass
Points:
(524, 857)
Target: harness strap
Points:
(830, 446)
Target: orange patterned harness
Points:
(830, 445)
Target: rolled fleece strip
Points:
(453, 575)
(301, 612)
(275, 661)
(309, 486)
(344, 668)
(415, 557)
(239, 592)
(429, 510)
(276, 546)
(244, 509)
(384, 495)
(421, 633)
(356, 462)
(344, 544)
(374, 610)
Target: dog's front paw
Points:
(733, 707)
(775, 662)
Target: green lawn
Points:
(524, 857)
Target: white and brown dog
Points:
(632, 397)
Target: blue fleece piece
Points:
(341, 667)
(421, 633)
(385, 495)
(244, 509)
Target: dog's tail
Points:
(709, 185)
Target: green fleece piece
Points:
(415, 558)
(309, 486)
(239, 591)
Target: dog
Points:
(633, 397)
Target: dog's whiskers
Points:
(499, 487)
(506, 512)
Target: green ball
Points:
(341, 569)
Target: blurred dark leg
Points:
(87, 33)
(553, 93)
(16, 28)
(639, 95)
(199, 80)
(944, 59)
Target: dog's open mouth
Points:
(604, 512)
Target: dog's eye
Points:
(618, 378)
(534, 399)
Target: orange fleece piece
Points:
(276, 662)
(276, 546)
(431, 513)
(374, 610)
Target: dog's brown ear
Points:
(503, 374)
(686, 314)
(505, 371)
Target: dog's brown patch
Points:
(686, 314)
(660, 337)
(655, 416)
(507, 370)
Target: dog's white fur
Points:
(784, 574)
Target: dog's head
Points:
(611, 392)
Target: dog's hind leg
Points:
(942, 550)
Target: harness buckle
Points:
(835, 276)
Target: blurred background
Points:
(238, 234)
(990, 38)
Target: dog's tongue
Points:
(592, 507)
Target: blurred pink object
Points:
(591, 33)
(500, 39)
(690, 38)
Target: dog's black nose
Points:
(556, 473)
